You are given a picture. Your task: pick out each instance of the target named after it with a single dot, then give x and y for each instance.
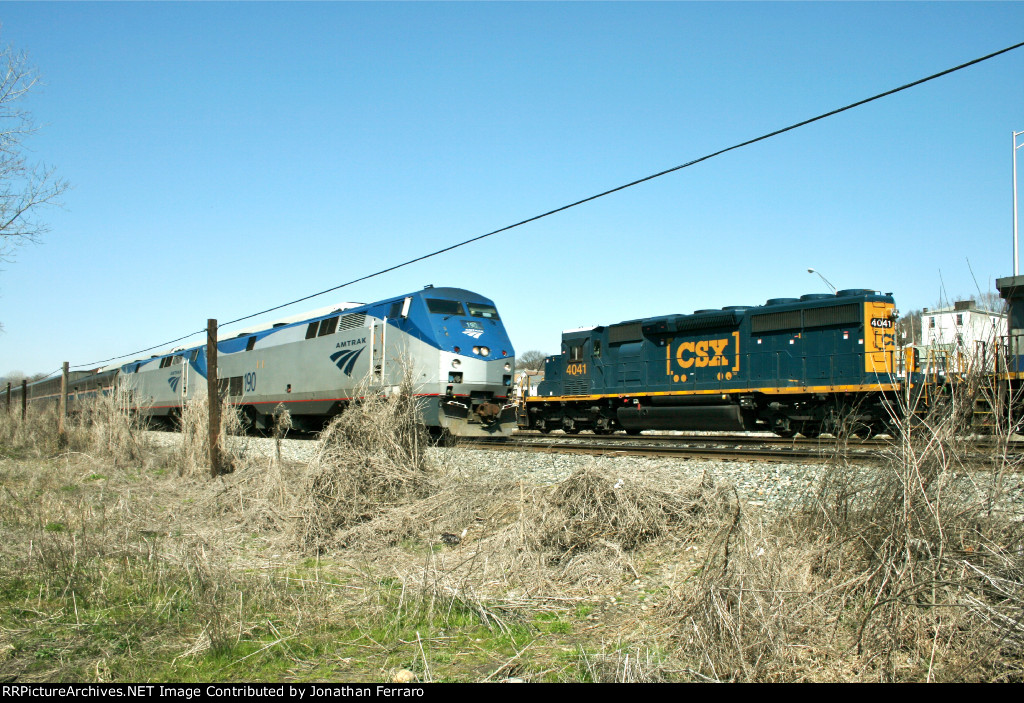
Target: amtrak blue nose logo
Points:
(346, 359)
(174, 380)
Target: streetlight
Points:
(1016, 268)
(823, 278)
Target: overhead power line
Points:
(563, 208)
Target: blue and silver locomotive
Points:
(451, 341)
(815, 364)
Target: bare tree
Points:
(24, 187)
(16, 377)
(532, 360)
(908, 328)
(991, 301)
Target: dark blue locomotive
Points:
(820, 363)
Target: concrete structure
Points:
(1011, 289)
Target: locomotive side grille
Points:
(699, 322)
(775, 321)
(352, 321)
(626, 332)
(832, 315)
(577, 386)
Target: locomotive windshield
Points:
(483, 310)
(445, 307)
(454, 307)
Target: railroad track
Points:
(705, 448)
(763, 439)
(714, 447)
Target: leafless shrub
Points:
(370, 458)
(36, 434)
(908, 570)
(107, 426)
(493, 547)
(282, 424)
(592, 510)
(194, 457)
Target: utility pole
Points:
(1016, 268)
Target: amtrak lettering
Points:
(350, 343)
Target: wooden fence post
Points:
(8, 397)
(213, 395)
(24, 399)
(62, 408)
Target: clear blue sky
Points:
(226, 158)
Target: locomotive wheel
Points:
(633, 433)
(810, 431)
(785, 434)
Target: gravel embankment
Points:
(759, 483)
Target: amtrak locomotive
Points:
(453, 341)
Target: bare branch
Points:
(24, 188)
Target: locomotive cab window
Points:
(445, 307)
(597, 348)
(482, 310)
(311, 330)
(400, 308)
(576, 352)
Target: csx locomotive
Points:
(820, 363)
(453, 341)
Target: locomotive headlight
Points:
(508, 366)
(456, 363)
(485, 351)
(476, 350)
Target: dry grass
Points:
(369, 459)
(384, 554)
(194, 458)
(906, 571)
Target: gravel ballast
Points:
(757, 483)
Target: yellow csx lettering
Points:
(576, 369)
(709, 352)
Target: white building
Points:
(526, 383)
(960, 336)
